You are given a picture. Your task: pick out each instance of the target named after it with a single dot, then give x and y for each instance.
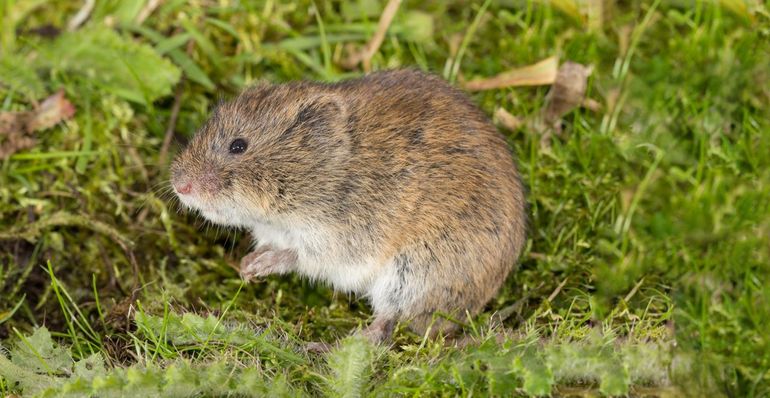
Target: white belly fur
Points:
(317, 257)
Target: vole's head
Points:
(272, 150)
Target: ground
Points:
(646, 271)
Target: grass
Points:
(647, 268)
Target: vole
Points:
(393, 186)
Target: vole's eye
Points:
(238, 145)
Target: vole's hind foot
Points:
(379, 330)
(266, 260)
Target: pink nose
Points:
(184, 189)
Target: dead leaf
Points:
(365, 54)
(17, 128)
(53, 110)
(13, 121)
(567, 91)
(539, 74)
(505, 119)
(13, 136)
(14, 144)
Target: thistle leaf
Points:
(129, 69)
(351, 366)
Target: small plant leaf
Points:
(144, 382)
(614, 383)
(538, 378)
(40, 354)
(350, 366)
(180, 381)
(90, 367)
(28, 380)
(131, 70)
(17, 128)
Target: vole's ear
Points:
(322, 111)
(321, 122)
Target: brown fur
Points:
(397, 167)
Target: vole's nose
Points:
(184, 188)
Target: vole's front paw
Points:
(266, 260)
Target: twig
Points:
(108, 265)
(365, 54)
(147, 10)
(557, 290)
(633, 291)
(174, 113)
(171, 124)
(31, 232)
(135, 267)
(82, 15)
